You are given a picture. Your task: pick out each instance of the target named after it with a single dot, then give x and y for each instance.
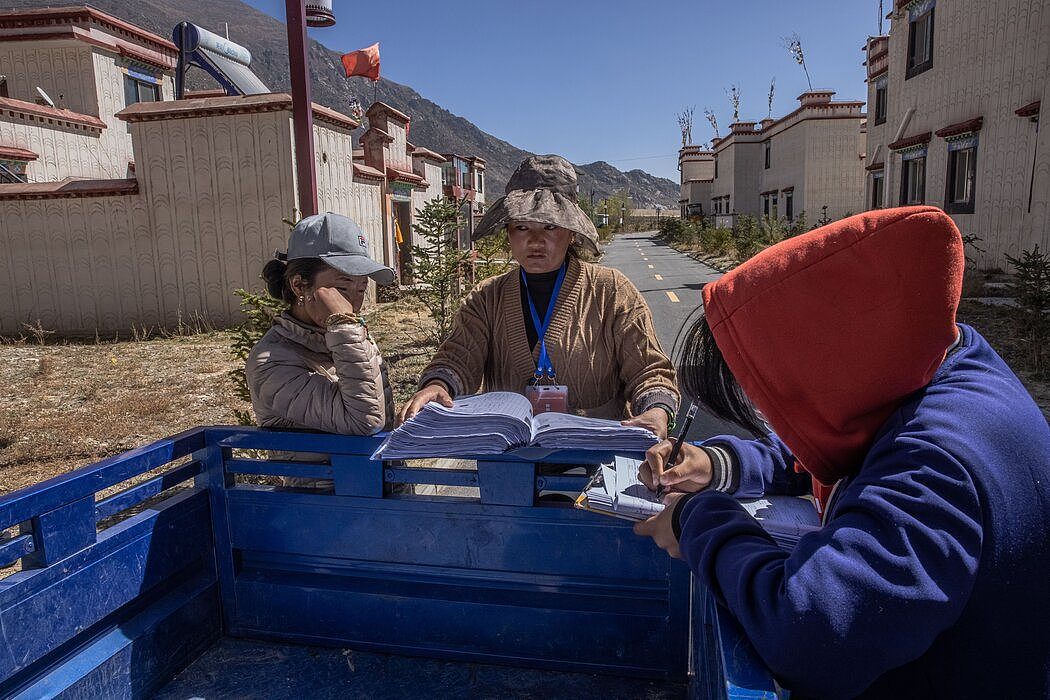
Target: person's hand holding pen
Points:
(675, 466)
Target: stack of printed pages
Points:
(493, 423)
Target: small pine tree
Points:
(824, 219)
(1031, 288)
(260, 309)
(438, 265)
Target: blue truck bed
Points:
(196, 582)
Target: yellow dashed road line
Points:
(673, 297)
(650, 266)
(659, 277)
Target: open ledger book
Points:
(493, 423)
(616, 491)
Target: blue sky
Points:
(598, 81)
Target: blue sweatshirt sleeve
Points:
(870, 591)
(762, 466)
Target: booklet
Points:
(616, 490)
(493, 423)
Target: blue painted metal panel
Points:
(61, 532)
(135, 495)
(132, 658)
(217, 481)
(552, 540)
(357, 475)
(506, 483)
(22, 505)
(15, 548)
(42, 609)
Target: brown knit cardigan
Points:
(601, 342)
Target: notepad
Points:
(499, 421)
(616, 491)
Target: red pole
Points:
(302, 111)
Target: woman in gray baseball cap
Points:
(318, 367)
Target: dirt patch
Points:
(66, 405)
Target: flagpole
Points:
(302, 107)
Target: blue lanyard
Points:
(543, 364)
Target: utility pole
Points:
(302, 107)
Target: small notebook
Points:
(498, 421)
(615, 490)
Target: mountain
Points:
(432, 125)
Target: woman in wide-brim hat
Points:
(554, 320)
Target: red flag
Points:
(364, 62)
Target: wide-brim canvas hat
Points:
(543, 190)
(340, 243)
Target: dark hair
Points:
(705, 375)
(276, 274)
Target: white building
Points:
(955, 91)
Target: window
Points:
(962, 176)
(136, 90)
(765, 205)
(878, 189)
(774, 205)
(447, 175)
(789, 205)
(716, 168)
(728, 208)
(464, 174)
(767, 144)
(920, 42)
(3, 86)
(481, 181)
(13, 171)
(880, 100)
(913, 180)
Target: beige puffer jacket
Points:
(301, 376)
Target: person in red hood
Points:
(929, 575)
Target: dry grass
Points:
(66, 405)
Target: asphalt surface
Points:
(670, 282)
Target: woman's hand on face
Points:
(431, 392)
(325, 301)
(660, 528)
(653, 420)
(691, 471)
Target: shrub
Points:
(260, 309)
(1031, 288)
(716, 241)
(747, 236)
(438, 265)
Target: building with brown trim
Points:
(128, 208)
(697, 167)
(90, 65)
(956, 89)
(806, 161)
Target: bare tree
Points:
(712, 120)
(793, 44)
(734, 100)
(685, 123)
(772, 91)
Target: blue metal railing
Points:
(192, 552)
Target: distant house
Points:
(697, 168)
(955, 93)
(121, 206)
(807, 160)
(463, 178)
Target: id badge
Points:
(548, 398)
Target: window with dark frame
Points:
(716, 168)
(920, 43)
(913, 180)
(789, 205)
(962, 176)
(13, 171)
(881, 88)
(3, 86)
(878, 189)
(136, 91)
(773, 206)
(767, 145)
(765, 205)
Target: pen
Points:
(677, 447)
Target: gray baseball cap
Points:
(340, 242)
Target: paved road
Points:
(670, 283)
